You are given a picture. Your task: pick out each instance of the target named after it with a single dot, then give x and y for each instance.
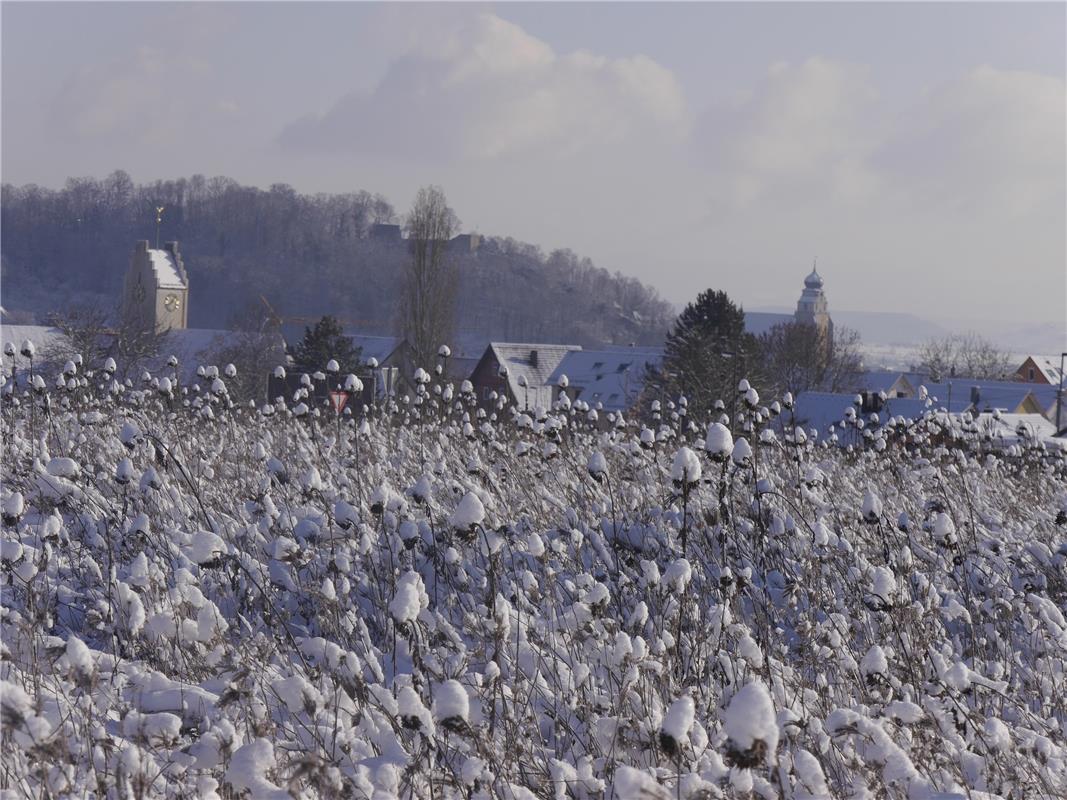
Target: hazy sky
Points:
(917, 149)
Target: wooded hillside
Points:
(307, 254)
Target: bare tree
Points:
(134, 346)
(255, 347)
(87, 331)
(964, 355)
(428, 294)
(799, 357)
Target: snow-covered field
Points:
(274, 605)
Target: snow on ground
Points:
(206, 601)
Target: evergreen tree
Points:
(706, 353)
(324, 342)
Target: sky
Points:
(917, 150)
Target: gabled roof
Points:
(820, 410)
(167, 273)
(1049, 370)
(192, 346)
(468, 344)
(884, 380)
(521, 362)
(42, 336)
(378, 347)
(953, 396)
(613, 376)
(1007, 427)
(197, 347)
(467, 349)
(997, 393)
(1006, 398)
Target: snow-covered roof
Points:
(914, 408)
(467, 349)
(1007, 428)
(1006, 398)
(1049, 369)
(377, 347)
(953, 396)
(42, 336)
(468, 344)
(613, 377)
(192, 346)
(991, 393)
(996, 394)
(820, 410)
(535, 363)
(884, 380)
(167, 276)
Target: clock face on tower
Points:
(172, 302)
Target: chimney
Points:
(533, 358)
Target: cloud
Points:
(156, 93)
(821, 131)
(919, 190)
(809, 125)
(992, 139)
(486, 89)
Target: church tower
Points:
(812, 308)
(156, 292)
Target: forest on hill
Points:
(307, 254)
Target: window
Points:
(623, 367)
(1031, 373)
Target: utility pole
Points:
(1059, 394)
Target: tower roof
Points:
(163, 264)
(814, 280)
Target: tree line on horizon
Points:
(309, 255)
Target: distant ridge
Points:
(881, 327)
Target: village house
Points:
(394, 353)
(965, 394)
(1038, 369)
(521, 372)
(610, 379)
